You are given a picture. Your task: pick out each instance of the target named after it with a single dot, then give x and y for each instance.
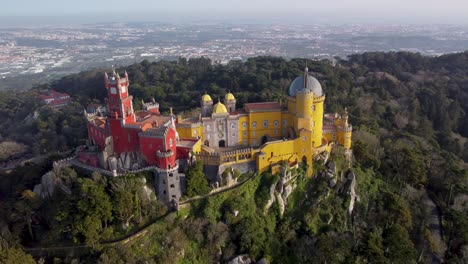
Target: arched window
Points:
(254, 124)
(208, 128)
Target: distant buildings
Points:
(55, 99)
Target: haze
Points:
(288, 11)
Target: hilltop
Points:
(410, 162)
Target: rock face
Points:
(241, 259)
(330, 174)
(349, 188)
(245, 259)
(49, 182)
(272, 197)
(280, 191)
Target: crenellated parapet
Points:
(218, 158)
(164, 154)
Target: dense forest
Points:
(410, 145)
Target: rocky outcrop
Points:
(245, 259)
(281, 190)
(350, 189)
(272, 198)
(330, 174)
(49, 182)
(241, 259)
(281, 204)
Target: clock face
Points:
(113, 90)
(123, 88)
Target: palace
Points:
(258, 137)
(275, 133)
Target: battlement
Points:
(218, 158)
(152, 106)
(349, 128)
(115, 80)
(164, 154)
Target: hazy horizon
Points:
(24, 13)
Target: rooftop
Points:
(265, 106)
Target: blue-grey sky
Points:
(313, 11)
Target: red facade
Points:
(145, 132)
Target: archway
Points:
(304, 159)
(207, 143)
(264, 140)
(222, 143)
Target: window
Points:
(265, 123)
(244, 124)
(171, 174)
(194, 131)
(170, 142)
(208, 128)
(172, 186)
(254, 124)
(334, 136)
(276, 131)
(244, 142)
(285, 122)
(254, 133)
(245, 133)
(233, 134)
(233, 125)
(254, 142)
(276, 123)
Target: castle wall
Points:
(267, 124)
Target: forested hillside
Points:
(410, 145)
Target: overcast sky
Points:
(304, 11)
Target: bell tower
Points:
(120, 104)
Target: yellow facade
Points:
(292, 133)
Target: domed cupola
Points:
(219, 108)
(206, 105)
(230, 102)
(306, 83)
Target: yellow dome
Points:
(229, 96)
(206, 98)
(219, 108)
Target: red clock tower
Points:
(119, 101)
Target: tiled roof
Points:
(259, 107)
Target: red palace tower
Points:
(122, 140)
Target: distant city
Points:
(56, 51)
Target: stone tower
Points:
(206, 105)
